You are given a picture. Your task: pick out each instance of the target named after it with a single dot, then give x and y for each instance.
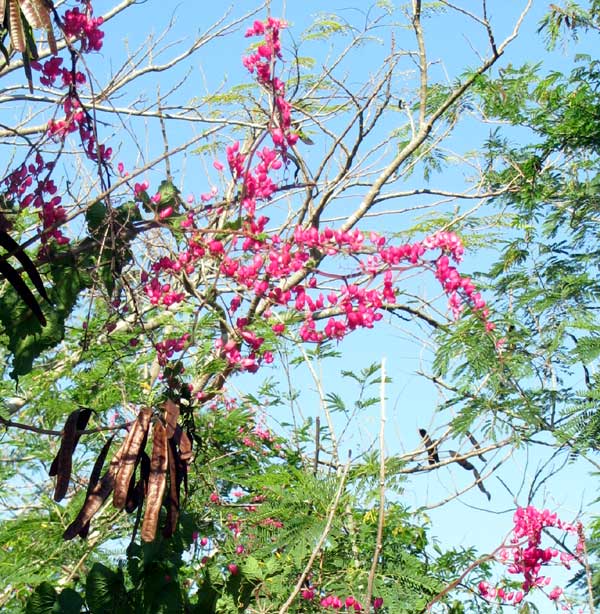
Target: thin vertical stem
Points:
(586, 565)
(381, 519)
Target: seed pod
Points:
(173, 496)
(185, 445)
(432, 453)
(97, 495)
(85, 529)
(145, 471)
(92, 504)
(137, 491)
(476, 445)
(83, 415)
(63, 463)
(171, 416)
(156, 482)
(97, 468)
(93, 481)
(136, 441)
(54, 466)
(135, 495)
(463, 462)
(68, 435)
(185, 455)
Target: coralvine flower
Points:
(258, 265)
(527, 558)
(26, 185)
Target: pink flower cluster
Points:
(526, 557)
(251, 260)
(78, 25)
(167, 347)
(257, 185)
(259, 261)
(31, 185)
(76, 119)
(263, 62)
(52, 69)
(162, 294)
(334, 602)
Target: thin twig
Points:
(381, 518)
(317, 444)
(586, 566)
(452, 585)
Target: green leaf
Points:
(169, 194)
(42, 601)
(105, 590)
(251, 569)
(70, 601)
(95, 216)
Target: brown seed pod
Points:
(135, 495)
(97, 468)
(137, 490)
(136, 440)
(174, 486)
(63, 463)
(85, 529)
(156, 482)
(68, 436)
(145, 471)
(93, 481)
(98, 494)
(171, 416)
(185, 445)
(92, 504)
(54, 466)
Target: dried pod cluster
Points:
(37, 14)
(158, 480)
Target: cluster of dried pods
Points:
(166, 466)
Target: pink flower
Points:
(308, 594)
(555, 593)
(165, 213)
(233, 569)
(140, 187)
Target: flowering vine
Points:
(30, 184)
(260, 266)
(526, 557)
